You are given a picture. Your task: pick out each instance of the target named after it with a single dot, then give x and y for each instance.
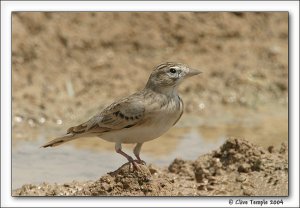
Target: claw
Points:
(134, 166)
(141, 162)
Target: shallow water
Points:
(90, 158)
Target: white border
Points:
(8, 7)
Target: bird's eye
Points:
(172, 70)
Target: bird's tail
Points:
(60, 140)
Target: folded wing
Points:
(123, 114)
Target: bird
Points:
(140, 117)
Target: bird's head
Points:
(168, 76)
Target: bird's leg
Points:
(118, 148)
(136, 151)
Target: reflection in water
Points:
(32, 164)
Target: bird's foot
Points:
(134, 165)
(142, 162)
(139, 160)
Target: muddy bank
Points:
(237, 168)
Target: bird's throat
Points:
(169, 91)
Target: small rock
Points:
(257, 165)
(244, 168)
(240, 178)
(219, 172)
(210, 188)
(283, 148)
(66, 185)
(201, 188)
(247, 192)
(271, 149)
(106, 187)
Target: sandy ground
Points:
(237, 168)
(66, 66)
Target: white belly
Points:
(155, 126)
(139, 134)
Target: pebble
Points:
(59, 121)
(211, 178)
(219, 172)
(240, 178)
(220, 192)
(274, 50)
(42, 120)
(205, 171)
(18, 119)
(31, 123)
(247, 192)
(106, 186)
(153, 171)
(201, 106)
(244, 168)
(201, 188)
(210, 188)
(246, 183)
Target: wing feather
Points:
(125, 113)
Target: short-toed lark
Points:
(140, 117)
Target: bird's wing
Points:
(125, 113)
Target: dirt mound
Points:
(236, 168)
(127, 182)
(241, 168)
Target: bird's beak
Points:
(193, 72)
